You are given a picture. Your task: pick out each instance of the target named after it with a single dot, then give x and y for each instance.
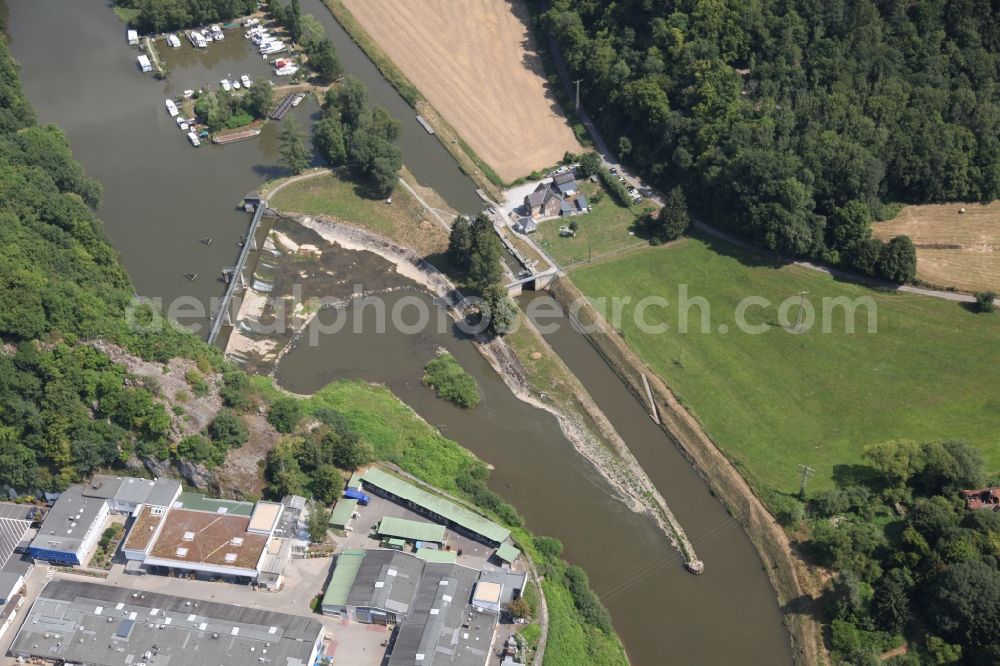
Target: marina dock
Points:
(284, 106)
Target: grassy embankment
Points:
(339, 196)
(603, 231)
(468, 161)
(399, 436)
(775, 400)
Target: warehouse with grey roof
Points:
(90, 623)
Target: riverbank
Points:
(583, 424)
(797, 588)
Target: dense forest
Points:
(156, 16)
(914, 563)
(65, 408)
(795, 122)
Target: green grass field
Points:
(338, 196)
(776, 400)
(605, 229)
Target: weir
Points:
(236, 281)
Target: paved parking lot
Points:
(474, 554)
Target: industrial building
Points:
(443, 612)
(74, 524)
(343, 513)
(435, 507)
(89, 623)
(213, 538)
(410, 530)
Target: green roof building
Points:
(198, 502)
(508, 553)
(435, 507)
(410, 530)
(344, 574)
(340, 517)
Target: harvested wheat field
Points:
(474, 62)
(954, 249)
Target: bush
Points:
(228, 429)
(984, 301)
(285, 414)
(199, 386)
(452, 383)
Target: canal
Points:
(162, 196)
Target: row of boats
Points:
(243, 82)
(184, 123)
(200, 38)
(267, 44)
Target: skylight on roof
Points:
(189, 536)
(237, 541)
(182, 552)
(379, 584)
(230, 557)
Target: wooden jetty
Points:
(284, 106)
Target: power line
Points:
(807, 471)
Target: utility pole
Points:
(577, 82)
(807, 471)
(590, 256)
(798, 321)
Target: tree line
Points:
(794, 123)
(474, 250)
(155, 16)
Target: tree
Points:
(329, 141)
(293, 21)
(282, 470)
(228, 429)
(352, 453)
(484, 254)
(898, 260)
(549, 547)
(349, 100)
(323, 58)
(292, 147)
(327, 483)
(319, 523)
(460, 242)
(671, 221)
(498, 307)
(985, 301)
(519, 608)
(892, 601)
(312, 31)
(964, 604)
(257, 101)
(590, 164)
(285, 414)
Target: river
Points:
(162, 196)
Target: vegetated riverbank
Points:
(584, 425)
(795, 585)
(470, 163)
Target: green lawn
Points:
(778, 399)
(605, 229)
(338, 196)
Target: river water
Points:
(162, 196)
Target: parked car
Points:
(613, 171)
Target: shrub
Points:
(285, 414)
(984, 301)
(228, 429)
(199, 386)
(452, 383)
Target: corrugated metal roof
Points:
(344, 574)
(341, 514)
(507, 552)
(438, 505)
(410, 530)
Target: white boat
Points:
(197, 39)
(251, 22)
(193, 138)
(172, 108)
(272, 47)
(188, 94)
(287, 70)
(144, 63)
(261, 37)
(225, 85)
(180, 121)
(246, 81)
(184, 127)
(174, 41)
(133, 37)
(217, 33)
(298, 99)
(207, 35)
(236, 85)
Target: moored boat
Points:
(246, 81)
(172, 108)
(193, 138)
